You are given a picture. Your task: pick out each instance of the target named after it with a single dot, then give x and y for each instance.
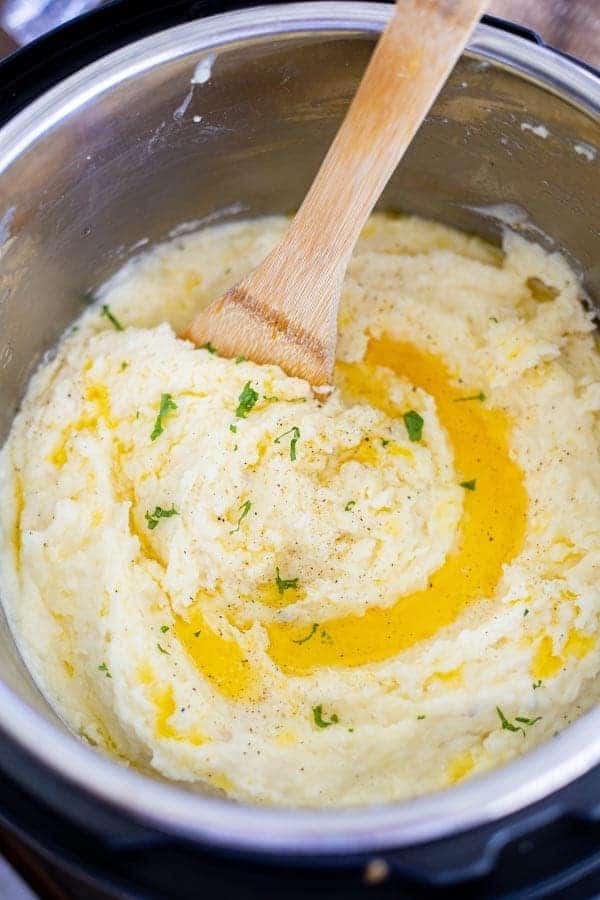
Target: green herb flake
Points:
(420, 718)
(523, 721)
(284, 584)
(469, 485)
(270, 399)
(295, 432)
(246, 400)
(414, 424)
(164, 628)
(124, 365)
(197, 633)
(384, 442)
(349, 505)
(320, 722)
(494, 319)
(210, 347)
(233, 429)
(537, 684)
(240, 359)
(479, 396)
(104, 668)
(111, 317)
(326, 637)
(308, 636)
(162, 650)
(244, 510)
(525, 612)
(167, 405)
(152, 518)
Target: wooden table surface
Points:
(569, 25)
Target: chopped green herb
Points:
(295, 432)
(524, 722)
(419, 718)
(479, 396)
(233, 428)
(525, 612)
(494, 319)
(384, 442)
(197, 633)
(244, 510)
(164, 628)
(208, 346)
(124, 365)
(537, 684)
(239, 359)
(159, 513)
(308, 636)
(326, 637)
(270, 399)
(246, 400)
(111, 317)
(162, 650)
(469, 485)
(284, 584)
(320, 722)
(104, 668)
(414, 424)
(167, 405)
(349, 505)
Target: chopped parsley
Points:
(104, 668)
(469, 485)
(198, 633)
(494, 319)
(414, 424)
(239, 359)
(420, 718)
(124, 365)
(537, 684)
(523, 721)
(525, 612)
(320, 722)
(284, 584)
(308, 636)
(164, 628)
(295, 432)
(233, 428)
(270, 399)
(167, 405)
(246, 400)
(244, 510)
(384, 442)
(349, 505)
(162, 650)
(111, 317)
(159, 513)
(208, 346)
(479, 396)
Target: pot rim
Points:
(220, 821)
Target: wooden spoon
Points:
(285, 311)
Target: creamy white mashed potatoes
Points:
(215, 576)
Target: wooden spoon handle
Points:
(413, 58)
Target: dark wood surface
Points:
(569, 25)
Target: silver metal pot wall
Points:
(229, 117)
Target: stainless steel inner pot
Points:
(128, 148)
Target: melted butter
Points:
(164, 701)
(450, 677)
(364, 453)
(460, 767)
(219, 659)
(19, 504)
(490, 532)
(545, 663)
(578, 644)
(96, 394)
(269, 594)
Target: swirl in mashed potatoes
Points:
(216, 576)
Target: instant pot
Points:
(138, 120)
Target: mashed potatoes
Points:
(214, 575)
